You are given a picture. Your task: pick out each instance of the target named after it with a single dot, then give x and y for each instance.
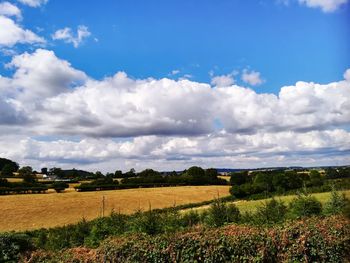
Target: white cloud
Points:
(169, 153)
(8, 9)
(252, 77)
(223, 80)
(172, 122)
(347, 75)
(327, 6)
(41, 74)
(68, 36)
(11, 34)
(33, 3)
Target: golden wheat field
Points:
(32, 211)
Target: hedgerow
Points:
(308, 240)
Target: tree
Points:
(280, 182)
(211, 172)
(59, 186)
(195, 171)
(4, 161)
(7, 170)
(238, 178)
(148, 173)
(27, 173)
(294, 180)
(44, 170)
(98, 174)
(118, 174)
(332, 173)
(264, 180)
(315, 178)
(57, 172)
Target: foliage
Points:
(304, 205)
(59, 186)
(221, 213)
(270, 212)
(12, 245)
(310, 240)
(336, 204)
(4, 162)
(26, 173)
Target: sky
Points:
(109, 85)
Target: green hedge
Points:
(311, 240)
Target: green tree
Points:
(118, 174)
(7, 170)
(211, 172)
(4, 161)
(195, 171)
(264, 180)
(304, 205)
(315, 178)
(238, 178)
(59, 186)
(26, 173)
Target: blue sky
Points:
(152, 38)
(170, 84)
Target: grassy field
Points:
(24, 212)
(250, 206)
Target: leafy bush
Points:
(220, 213)
(191, 218)
(59, 186)
(310, 240)
(304, 205)
(12, 245)
(270, 212)
(336, 204)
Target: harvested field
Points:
(24, 212)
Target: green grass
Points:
(251, 206)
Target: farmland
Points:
(251, 206)
(24, 212)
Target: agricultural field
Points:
(251, 206)
(25, 212)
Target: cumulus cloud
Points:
(8, 9)
(11, 34)
(252, 77)
(326, 6)
(41, 74)
(168, 153)
(223, 80)
(168, 119)
(67, 35)
(33, 3)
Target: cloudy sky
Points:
(106, 85)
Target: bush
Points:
(190, 218)
(12, 245)
(336, 204)
(220, 213)
(304, 205)
(59, 186)
(310, 240)
(270, 212)
(148, 222)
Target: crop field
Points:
(33, 211)
(250, 206)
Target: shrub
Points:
(270, 212)
(336, 204)
(59, 186)
(304, 205)
(220, 213)
(12, 245)
(147, 222)
(190, 218)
